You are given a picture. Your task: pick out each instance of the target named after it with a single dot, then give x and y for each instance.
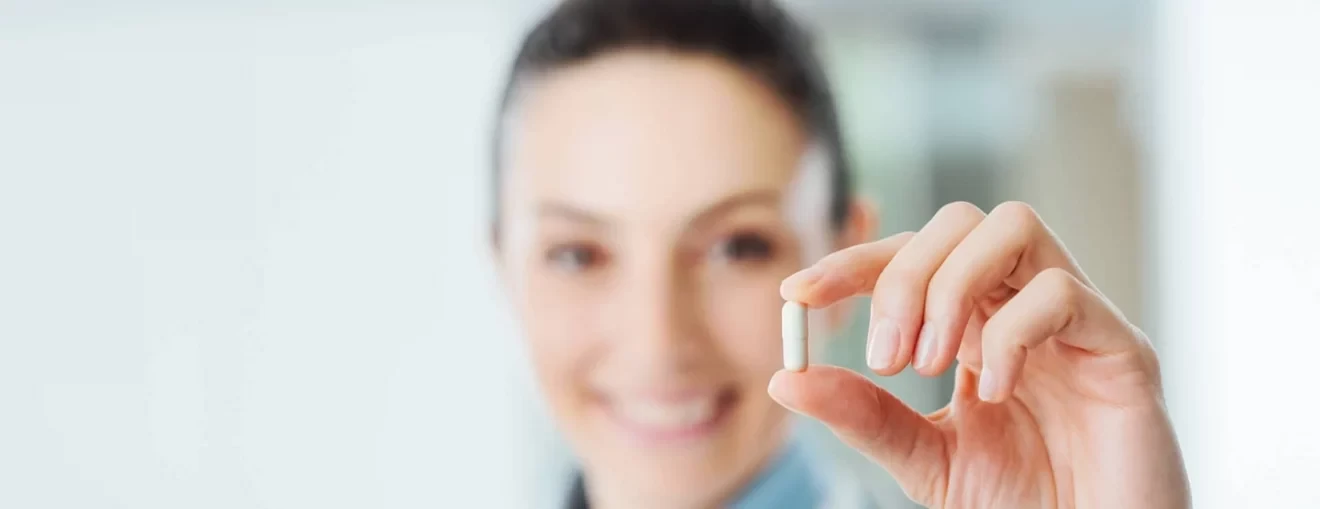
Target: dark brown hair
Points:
(758, 36)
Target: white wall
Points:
(241, 255)
(1238, 232)
(241, 259)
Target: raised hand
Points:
(1058, 401)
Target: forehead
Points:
(650, 135)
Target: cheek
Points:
(557, 324)
(744, 320)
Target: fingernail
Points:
(989, 385)
(881, 344)
(802, 280)
(927, 346)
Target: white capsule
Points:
(794, 323)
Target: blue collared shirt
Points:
(791, 481)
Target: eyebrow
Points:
(715, 210)
(571, 213)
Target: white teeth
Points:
(683, 414)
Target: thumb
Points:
(873, 421)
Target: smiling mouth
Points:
(671, 420)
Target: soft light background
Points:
(243, 260)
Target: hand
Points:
(1057, 401)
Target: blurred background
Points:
(243, 259)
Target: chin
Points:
(689, 448)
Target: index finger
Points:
(844, 273)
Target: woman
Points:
(663, 170)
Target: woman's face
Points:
(652, 204)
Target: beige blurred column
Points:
(1081, 172)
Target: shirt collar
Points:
(787, 482)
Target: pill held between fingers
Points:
(794, 323)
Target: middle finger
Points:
(898, 301)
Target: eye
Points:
(574, 257)
(745, 247)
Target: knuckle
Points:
(852, 253)
(1060, 284)
(879, 420)
(961, 209)
(1017, 212)
(991, 332)
(929, 488)
(946, 293)
(845, 257)
(898, 281)
(838, 259)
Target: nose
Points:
(657, 320)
